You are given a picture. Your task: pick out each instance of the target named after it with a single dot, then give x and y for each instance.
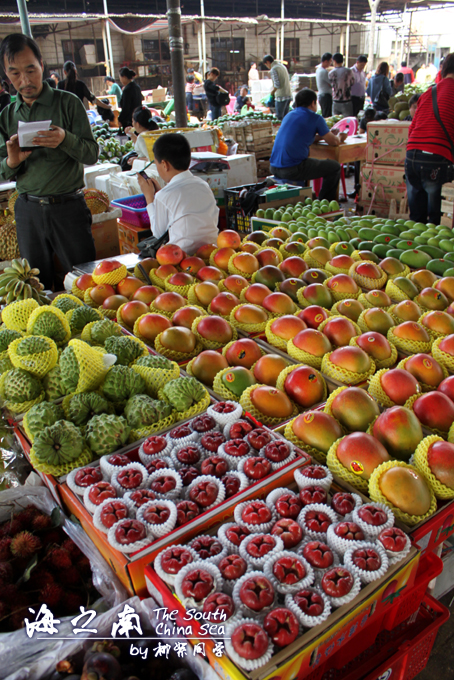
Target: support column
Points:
(409, 40)
(199, 47)
(106, 51)
(342, 41)
(109, 40)
(204, 45)
(282, 28)
(373, 4)
(347, 40)
(176, 44)
(278, 48)
(24, 20)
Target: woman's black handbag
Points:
(223, 98)
(149, 246)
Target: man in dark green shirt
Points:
(52, 217)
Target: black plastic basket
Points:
(235, 216)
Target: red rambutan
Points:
(12, 528)
(83, 566)
(54, 536)
(40, 578)
(27, 515)
(73, 601)
(70, 577)
(59, 558)
(41, 522)
(6, 572)
(5, 549)
(51, 594)
(72, 548)
(25, 544)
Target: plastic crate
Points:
(134, 210)
(235, 216)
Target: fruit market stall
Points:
(260, 432)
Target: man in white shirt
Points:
(186, 206)
(359, 86)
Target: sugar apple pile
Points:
(42, 415)
(182, 393)
(102, 330)
(53, 385)
(82, 407)
(79, 317)
(126, 349)
(121, 383)
(6, 338)
(106, 433)
(5, 364)
(20, 386)
(33, 344)
(69, 370)
(58, 444)
(65, 302)
(141, 411)
(50, 322)
(154, 361)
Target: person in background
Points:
(438, 76)
(189, 89)
(186, 206)
(198, 78)
(131, 97)
(113, 88)
(281, 85)
(55, 77)
(342, 80)
(72, 84)
(398, 84)
(429, 149)
(299, 129)
(212, 90)
(142, 121)
(412, 105)
(241, 100)
(253, 73)
(421, 74)
(409, 76)
(5, 97)
(379, 88)
(358, 91)
(325, 92)
(369, 115)
(380, 115)
(51, 215)
(431, 72)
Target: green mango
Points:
(433, 251)
(449, 272)
(300, 236)
(369, 255)
(366, 245)
(352, 232)
(395, 252)
(409, 234)
(312, 233)
(383, 238)
(409, 223)
(406, 245)
(445, 232)
(449, 257)
(429, 233)
(422, 240)
(439, 266)
(237, 379)
(417, 259)
(367, 234)
(343, 248)
(333, 237)
(381, 249)
(447, 245)
(394, 241)
(390, 229)
(419, 227)
(407, 286)
(355, 242)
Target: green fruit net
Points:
(408, 346)
(175, 355)
(380, 363)
(377, 496)
(289, 369)
(248, 327)
(303, 356)
(15, 316)
(343, 375)
(421, 463)
(319, 456)
(39, 363)
(344, 473)
(270, 421)
(210, 344)
(425, 387)
(111, 278)
(443, 358)
(366, 281)
(338, 296)
(395, 293)
(60, 470)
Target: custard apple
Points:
(69, 370)
(141, 410)
(42, 415)
(154, 361)
(6, 337)
(66, 302)
(20, 386)
(79, 317)
(121, 383)
(101, 330)
(85, 405)
(53, 385)
(125, 349)
(58, 444)
(5, 364)
(48, 321)
(33, 344)
(106, 433)
(183, 392)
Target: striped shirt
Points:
(426, 133)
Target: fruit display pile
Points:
(39, 564)
(110, 149)
(284, 563)
(238, 118)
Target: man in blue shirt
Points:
(299, 129)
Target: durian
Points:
(141, 410)
(121, 383)
(85, 405)
(40, 416)
(58, 444)
(106, 433)
(183, 392)
(126, 349)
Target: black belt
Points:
(53, 200)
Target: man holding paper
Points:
(52, 217)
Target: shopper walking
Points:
(430, 148)
(281, 85)
(409, 76)
(358, 91)
(379, 88)
(71, 83)
(113, 88)
(325, 92)
(51, 215)
(131, 97)
(212, 90)
(342, 80)
(189, 91)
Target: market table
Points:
(353, 149)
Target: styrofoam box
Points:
(91, 172)
(243, 169)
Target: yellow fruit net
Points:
(229, 344)
(285, 254)
(331, 398)
(443, 358)
(18, 406)
(425, 387)
(336, 270)
(344, 473)
(366, 304)
(408, 346)
(343, 375)
(277, 252)
(66, 296)
(159, 426)
(410, 403)
(175, 355)
(302, 356)
(156, 378)
(182, 290)
(120, 320)
(223, 288)
(435, 335)
(93, 365)
(362, 323)
(306, 303)
(77, 292)
(111, 278)
(282, 377)
(61, 317)
(210, 344)
(156, 280)
(338, 316)
(15, 316)
(210, 311)
(155, 310)
(376, 390)
(37, 364)
(422, 464)
(395, 293)
(377, 496)
(405, 272)
(194, 410)
(356, 256)
(337, 295)
(234, 270)
(136, 331)
(246, 403)
(248, 327)
(366, 281)
(311, 261)
(60, 470)
(274, 339)
(319, 456)
(380, 363)
(88, 300)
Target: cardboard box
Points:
(217, 181)
(243, 169)
(87, 54)
(382, 182)
(447, 221)
(387, 141)
(105, 233)
(126, 248)
(158, 95)
(130, 234)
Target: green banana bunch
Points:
(20, 281)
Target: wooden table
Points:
(353, 149)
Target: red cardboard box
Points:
(382, 182)
(387, 141)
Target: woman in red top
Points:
(429, 150)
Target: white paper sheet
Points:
(27, 131)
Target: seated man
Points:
(398, 83)
(369, 115)
(412, 105)
(186, 206)
(241, 99)
(299, 129)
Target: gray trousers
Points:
(343, 109)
